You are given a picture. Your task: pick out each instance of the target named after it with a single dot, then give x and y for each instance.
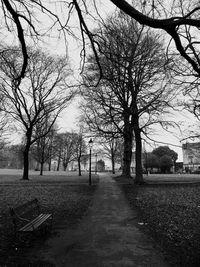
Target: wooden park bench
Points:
(28, 218)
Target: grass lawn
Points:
(65, 194)
(169, 213)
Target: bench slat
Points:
(27, 217)
(43, 219)
(31, 226)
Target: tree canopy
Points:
(40, 96)
(133, 91)
(179, 19)
(165, 151)
(162, 158)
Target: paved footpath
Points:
(106, 237)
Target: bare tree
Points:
(133, 90)
(5, 121)
(113, 149)
(109, 140)
(179, 19)
(80, 150)
(44, 92)
(67, 148)
(43, 148)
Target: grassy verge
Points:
(67, 200)
(171, 215)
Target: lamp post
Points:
(90, 143)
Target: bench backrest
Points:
(27, 211)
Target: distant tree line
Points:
(61, 148)
(34, 105)
(162, 159)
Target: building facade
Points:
(191, 157)
(99, 162)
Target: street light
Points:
(90, 143)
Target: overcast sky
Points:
(68, 121)
(68, 118)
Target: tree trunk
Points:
(50, 158)
(37, 166)
(49, 163)
(41, 168)
(26, 164)
(65, 166)
(138, 155)
(128, 138)
(26, 157)
(113, 162)
(42, 162)
(79, 166)
(59, 159)
(66, 162)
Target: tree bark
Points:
(26, 157)
(113, 161)
(37, 166)
(138, 155)
(50, 158)
(59, 159)
(65, 165)
(128, 138)
(41, 168)
(49, 165)
(42, 162)
(79, 166)
(26, 164)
